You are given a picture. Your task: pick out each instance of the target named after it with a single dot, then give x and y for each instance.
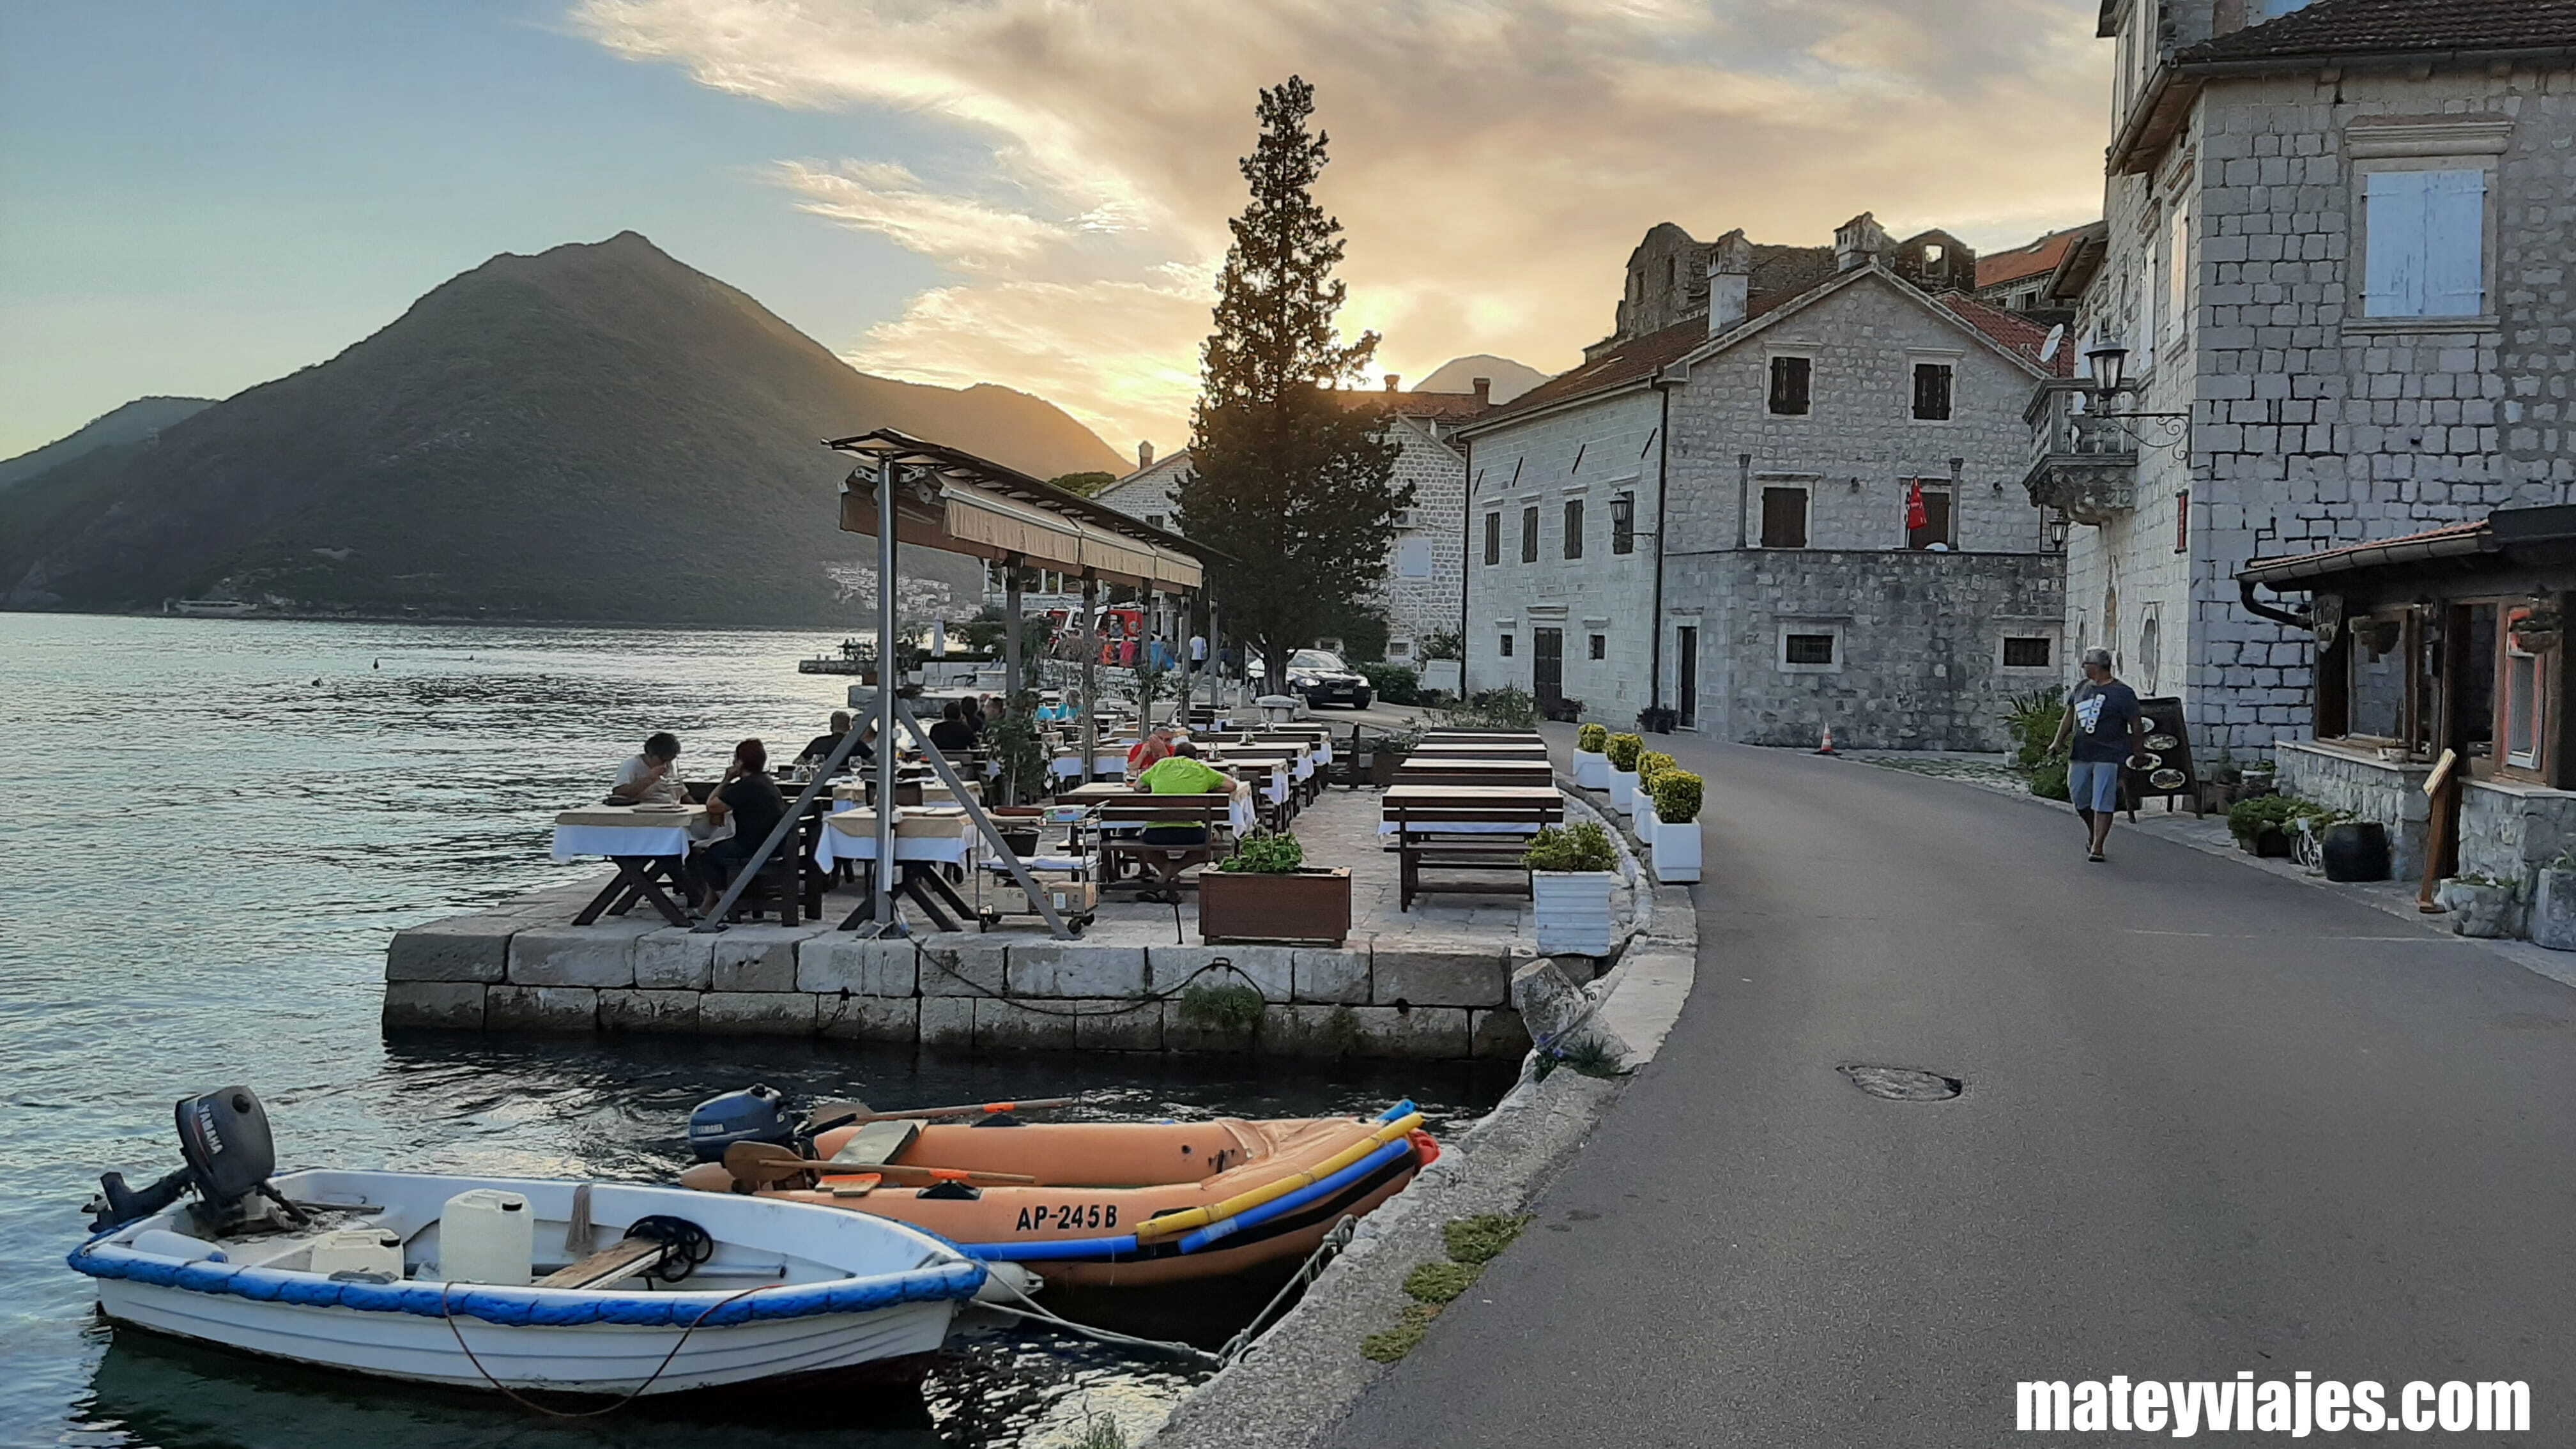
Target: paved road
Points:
(2213, 1121)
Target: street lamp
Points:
(2110, 360)
(2110, 363)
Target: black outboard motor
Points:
(225, 1142)
(754, 1114)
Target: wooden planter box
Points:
(1382, 768)
(1310, 906)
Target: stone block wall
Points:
(516, 971)
(2380, 790)
(1919, 658)
(2509, 830)
(1416, 607)
(2313, 425)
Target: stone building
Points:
(1426, 559)
(2339, 243)
(2023, 279)
(1713, 514)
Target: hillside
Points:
(1459, 374)
(595, 432)
(135, 422)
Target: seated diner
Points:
(1180, 773)
(651, 778)
(749, 799)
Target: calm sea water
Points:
(211, 828)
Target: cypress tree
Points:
(1292, 483)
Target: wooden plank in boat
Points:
(627, 1258)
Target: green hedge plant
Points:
(1263, 853)
(1591, 738)
(1650, 767)
(1577, 847)
(1677, 797)
(2247, 819)
(1623, 750)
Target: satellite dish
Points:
(2056, 340)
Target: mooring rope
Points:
(1325, 1251)
(638, 1392)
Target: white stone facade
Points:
(1916, 651)
(2236, 275)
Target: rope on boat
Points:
(632, 1395)
(1330, 1248)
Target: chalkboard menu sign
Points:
(2165, 767)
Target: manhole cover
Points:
(1902, 1084)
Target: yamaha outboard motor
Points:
(754, 1114)
(225, 1142)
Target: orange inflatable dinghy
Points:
(1114, 1204)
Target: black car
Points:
(1322, 677)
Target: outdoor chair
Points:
(1162, 863)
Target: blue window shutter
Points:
(2393, 275)
(2455, 237)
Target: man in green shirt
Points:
(1181, 773)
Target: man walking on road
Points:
(2106, 726)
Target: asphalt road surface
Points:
(2213, 1121)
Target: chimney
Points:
(1391, 381)
(1484, 387)
(1144, 456)
(1730, 281)
(1858, 242)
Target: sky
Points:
(197, 197)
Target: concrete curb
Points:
(1302, 1378)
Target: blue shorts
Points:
(2094, 785)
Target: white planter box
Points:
(1623, 790)
(1592, 769)
(1572, 911)
(1675, 850)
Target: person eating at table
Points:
(820, 748)
(651, 778)
(1150, 751)
(749, 798)
(1181, 772)
(952, 733)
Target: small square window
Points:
(1493, 538)
(1529, 535)
(1790, 378)
(1574, 528)
(2029, 651)
(1623, 523)
(1932, 392)
(1600, 646)
(1807, 648)
(1399, 648)
(1153, 520)
(1505, 647)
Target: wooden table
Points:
(1531, 774)
(1464, 827)
(1480, 751)
(639, 842)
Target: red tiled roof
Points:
(2365, 27)
(2037, 259)
(1442, 406)
(2013, 331)
(1631, 361)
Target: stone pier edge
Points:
(1302, 1377)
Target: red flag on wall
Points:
(1915, 517)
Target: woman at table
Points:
(749, 798)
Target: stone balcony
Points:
(2083, 465)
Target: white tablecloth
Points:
(943, 848)
(575, 841)
(1069, 767)
(1240, 816)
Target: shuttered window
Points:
(1784, 518)
(1574, 528)
(1493, 538)
(1789, 381)
(2426, 244)
(1932, 391)
(1529, 535)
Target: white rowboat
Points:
(785, 1288)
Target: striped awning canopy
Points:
(958, 503)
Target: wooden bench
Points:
(1444, 827)
(1438, 771)
(1214, 814)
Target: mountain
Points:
(594, 432)
(135, 422)
(1459, 374)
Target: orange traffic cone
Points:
(1827, 747)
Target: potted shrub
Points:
(1623, 751)
(1658, 719)
(1563, 711)
(2480, 905)
(1591, 766)
(2553, 904)
(1387, 755)
(2262, 825)
(1650, 764)
(1571, 874)
(2350, 849)
(1674, 843)
(1265, 891)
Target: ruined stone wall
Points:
(1416, 607)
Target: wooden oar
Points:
(757, 1165)
(828, 1115)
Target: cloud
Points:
(1493, 160)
